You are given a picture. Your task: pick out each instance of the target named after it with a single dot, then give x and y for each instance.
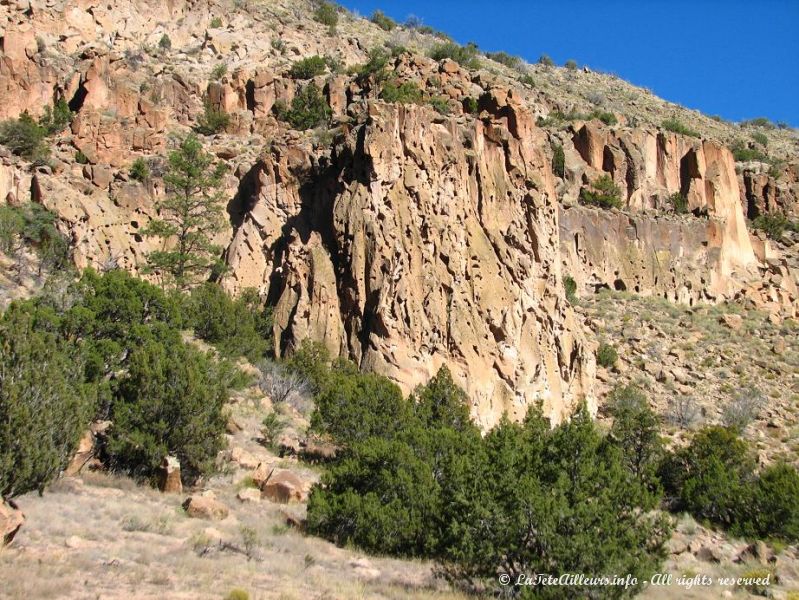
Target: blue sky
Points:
(735, 58)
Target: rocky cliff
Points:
(403, 238)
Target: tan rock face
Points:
(11, 519)
(430, 242)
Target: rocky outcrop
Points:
(402, 238)
(427, 241)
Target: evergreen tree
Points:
(44, 405)
(189, 218)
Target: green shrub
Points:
(12, 223)
(219, 71)
(121, 340)
(139, 170)
(555, 500)
(216, 23)
(24, 137)
(710, 477)
(212, 120)
(440, 104)
(546, 61)
(311, 361)
(570, 287)
(81, 158)
(773, 508)
(237, 594)
(571, 65)
(606, 355)
(604, 194)
(774, 225)
(235, 327)
(636, 432)
(425, 483)
(308, 68)
(44, 404)
(327, 14)
(527, 79)
(466, 55)
(354, 406)
(376, 67)
(405, 93)
(557, 117)
(743, 153)
(470, 105)
(503, 58)
(32, 225)
(309, 109)
(57, 119)
(760, 137)
(382, 21)
(758, 122)
(675, 126)
(169, 402)
(679, 202)
(271, 428)
(165, 43)
(558, 161)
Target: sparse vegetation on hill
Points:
(383, 21)
(675, 126)
(466, 55)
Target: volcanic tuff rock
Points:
(404, 239)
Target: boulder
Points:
(284, 487)
(169, 476)
(734, 322)
(205, 507)
(249, 495)
(11, 519)
(244, 459)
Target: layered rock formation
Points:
(404, 239)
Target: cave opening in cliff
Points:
(76, 103)
(249, 95)
(619, 286)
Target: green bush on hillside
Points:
(326, 13)
(169, 402)
(679, 203)
(114, 346)
(503, 58)
(606, 355)
(308, 109)
(466, 55)
(308, 68)
(235, 327)
(383, 21)
(676, 126)
(421, 481)
(44, 403)
(603, 193)
(403, 93)
(212, 120)
(710, 477)
(774, 225)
